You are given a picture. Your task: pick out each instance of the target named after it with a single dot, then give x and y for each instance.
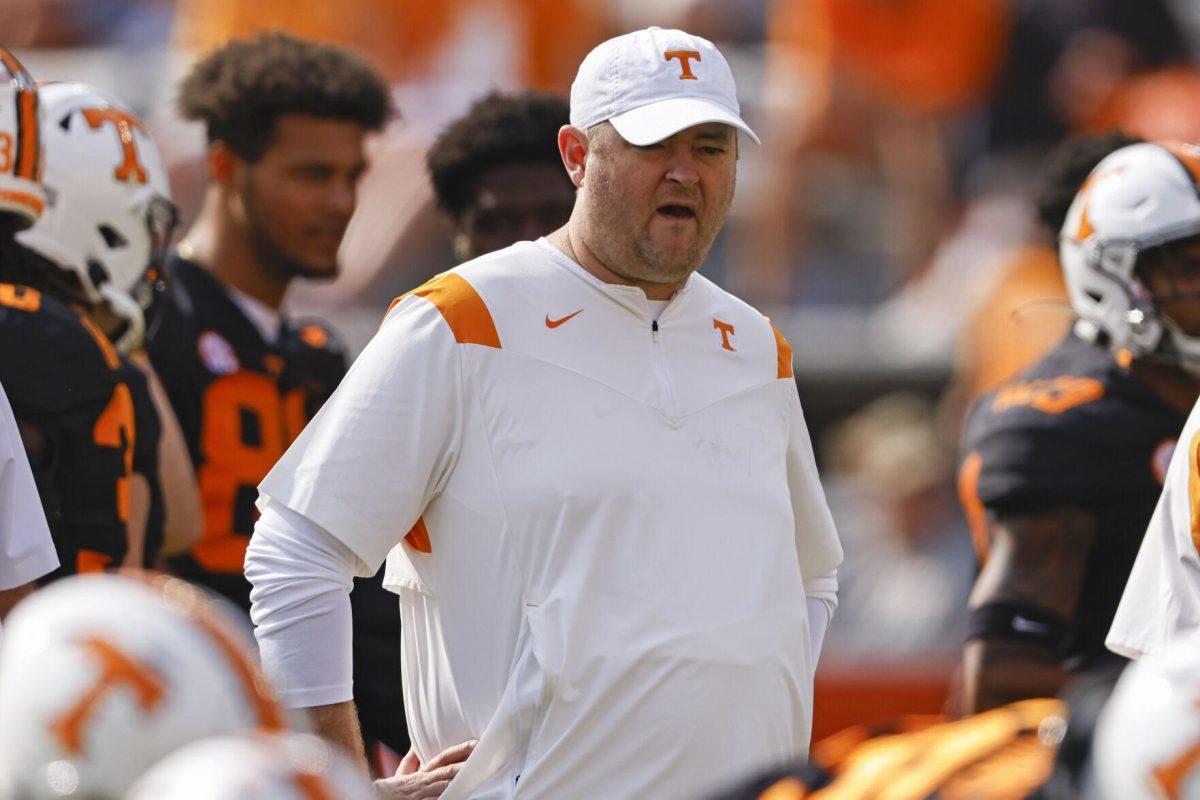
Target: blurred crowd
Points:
(888, 222)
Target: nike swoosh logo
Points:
(554, 323)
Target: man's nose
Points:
(342, 197)
(682, 167)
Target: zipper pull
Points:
(654, 326)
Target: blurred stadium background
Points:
(886, 225)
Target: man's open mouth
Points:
(676, 212)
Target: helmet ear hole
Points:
(112, 237)
(98, 274)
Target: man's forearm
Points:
(339, 724)
(1001, 671)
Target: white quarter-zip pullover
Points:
(599, 525)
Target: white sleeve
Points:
(26, 549)
(301, 578)
(817, 543)
(1162, 596)
(820, 595)
(383, 445)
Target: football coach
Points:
(587, 469)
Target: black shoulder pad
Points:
(50, 359)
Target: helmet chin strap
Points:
(127, 309)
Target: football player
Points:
(1064, 463)
(107, 222)
(286, 121)
(103, 675)
(497, 173)
(61, 374)
(26, 548)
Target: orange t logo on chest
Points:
(685, 61)
(726, 331)
(124, 124)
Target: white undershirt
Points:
(266, 319)
(655, 308)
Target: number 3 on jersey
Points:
(246, 427)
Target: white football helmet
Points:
(103, 675)
(1147, 741)
(21, 192)
(296, 766)
(108, 214)
(1139, 197)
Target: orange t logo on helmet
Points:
(116, 670)
(685, 61)
(124, 124)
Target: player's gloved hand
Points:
(415, 781)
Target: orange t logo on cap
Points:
(685, 60)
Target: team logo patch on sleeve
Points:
(217, 354)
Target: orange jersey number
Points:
(115, 428)
(246, 427)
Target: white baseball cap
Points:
(653, 83)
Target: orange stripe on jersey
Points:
(418, 537)
(968, 496)
(1194, 487)
(783, 355)
(106, 347)
(462, 308)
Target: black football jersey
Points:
(1076, 429)
(145, 455)
(240, 401)
(77, 421)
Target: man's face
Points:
(1172, 274)
(513, 203)
(652, 212)
(299, 196)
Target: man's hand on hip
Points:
(414, 781)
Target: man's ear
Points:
(222, 163)
(573, 147)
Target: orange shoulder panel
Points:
(418, 537)
(462, 308)
(783, 355)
